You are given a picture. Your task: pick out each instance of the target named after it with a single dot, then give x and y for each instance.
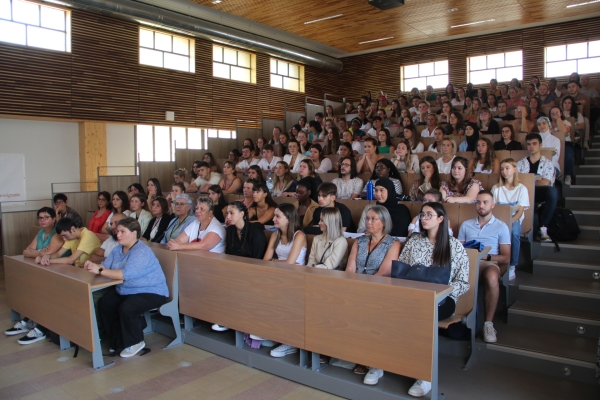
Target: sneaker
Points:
(336, 362)
(283, 350)
(511, 273)
(256, 337)
(34, 335)
(219, 328)
(544, 234)
(20, 327)
(586, 146)
(420, 388)
(568, 180)
(372, 377)
(133, 350)
(489, 333)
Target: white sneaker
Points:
(544, 234)
(372, 377)
(336, 362)
(420, 388)
(133, 350)
(219, 328)
(283, 350)
(568, 180)
(34, 335)
(20, 327)
(511, 273)
(489, 333)
(256, 337)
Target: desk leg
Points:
(303, 358)
(239, 339)
(435, 395)
(65, 344)
(15, 316)
(188, 323)
(97, 358)
(315, 362)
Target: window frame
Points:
(191, 56)
(403, 86)
(469, 71)
(566, 59)
(300, 79)
(251, 68)
(203, 141)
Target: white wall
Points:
(51, 152)
(120, 149)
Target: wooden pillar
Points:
(92, 153)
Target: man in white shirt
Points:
(205, 179)
(549, 141)
(431, 125)
(423, 111)
(349, 185)
(268, 162)
(247, 160)
(109, 244)
(413, 109)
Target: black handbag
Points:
(420, 272)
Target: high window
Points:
(583, 58)
(287, 75)
(158, 143)
(165, 50)
(234, 64)
(502, 67)
(35, 25)
(422, 75)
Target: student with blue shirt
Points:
(144, 287)
(493, 233)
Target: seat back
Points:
(529, 181)
(168, 262)
(356, 208)
(466, 302)
(282, 200)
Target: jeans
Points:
(515, 243)
(569, 159)
(122, 316)
(548, 195)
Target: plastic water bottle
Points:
(369, 190)
(270, 181)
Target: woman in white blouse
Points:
(329, 248)
(444, 163)
(206, 233)
(293, 159)
(322, 163)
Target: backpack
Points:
(563, 227)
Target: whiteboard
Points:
(12, 177)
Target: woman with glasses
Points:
(176, 189)
(508, 141)
(456, 125)
(204, 233)
(184, 210)
(486, 123)
(435, 248)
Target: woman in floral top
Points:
(460, 188)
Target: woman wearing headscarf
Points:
(385, 196)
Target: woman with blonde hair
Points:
(485, 160)
(403, 159)
(510, 191)
(179, 176)
(448, 150)
(282, 178)
(329, 248)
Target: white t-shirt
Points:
(372, 132)
(419, 149)
(457, 103)
(265, 164)
(517, 196)
(325, 166)
(444, 168)
(551, 142)
(214, 179)
(109, 245)
(426, 133)
(245, 164)
(357, 146)
(431, 148)
(479, 169)
(193, 231)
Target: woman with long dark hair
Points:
(102, 213)
(215, 193)
(485, 160)
(429, 179)
(153, 188)
(243, 238)
(161, 218)
(263, 207)
(460, 188)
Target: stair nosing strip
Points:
(559, 292)
(577, 266)
(557, 317)
(541, 356)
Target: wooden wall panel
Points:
(111, 184)
(533, 53)
(163, 171)
(204, 86)
(495, 43)
(16, 231)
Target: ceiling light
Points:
(475, 23)
(583, 4)
(217, 1)
(452, 9)
(323, 19)
(376, 40)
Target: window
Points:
(583, 58)
(158, 143)
(422, 75)
(501, 66)
(234, 64)
(35, 25)
(221, 134)
(288, 76)
(164, 50)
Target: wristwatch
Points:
(488, 258)
(100, 271)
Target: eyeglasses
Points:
(46, 217)
(181, 204)
(426, 216)
(345, 165)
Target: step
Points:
(587, 179)
(587, 216)
(591, 232)
(553, 291)
(587, 170)
(550, 353)
(581, 190)
(581, 202)
(592, 160)
(555, 319)
(550, 266)
(576, 250)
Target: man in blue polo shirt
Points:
(493, 233)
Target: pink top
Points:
(450, 193)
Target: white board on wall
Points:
(12, 177)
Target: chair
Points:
(356, 208)
(283, 199)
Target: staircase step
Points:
(589, 232)
(581, 202)
(587, 179)
(576, 250)
(550, 266)
(581, 190)
(587, 217)
(551, 353)
(553, 291)
(587, 169)
(592, 160)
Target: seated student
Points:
(212, 162)
(161, 218)
(329, 248)
(255, 173)
(216, 195)
(64, 211)
(306, 170)
(205, 233)
(109, 244)
(410, 135)
(429, 179)
(485, 160)
(349, 185)
(403, 159)
(248, 198)
(431, 196)
(47, 241)
(153, 188)
(460, 188)
(206, 178)
(315, 131)
(372, 254)
(385, 169)
(184, 215)
(377, 127)
(546, 98)
(79, 241)
(545, 191)
(267, 163)
(434, 247)
(302, 139)
(289, 245)
(471, 136)
(560, 124)
(493, 233)
(138, 205)
(508, 141)
(385, 142)
(263, 207)
(522, 123)
(548, 140)
(432, 123)
(448, 150)
(176, 189)
(282, 178)
(367, 161)
(144, 288)
(510, 191)
(384, 194)
(322, 164)
(436, 146)
(246, 160)
(502, 114)
(120, 205)
(230, 183)
(294, 157)
(327, 193)
(306, 205)
(135, 188)
(485, 122)
(357, 147)
(101, 214)
(179, 177)
(234, 156)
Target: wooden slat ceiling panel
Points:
(573, 32)
(104, 68)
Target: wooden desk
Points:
(59, 298)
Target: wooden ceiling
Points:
(418, 21)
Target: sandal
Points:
(360, 369)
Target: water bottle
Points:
(270, 181)
(369, 190)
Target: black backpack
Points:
(563, 227)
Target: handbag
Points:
(422, 273)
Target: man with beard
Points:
(493, 233)
(109, 244)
